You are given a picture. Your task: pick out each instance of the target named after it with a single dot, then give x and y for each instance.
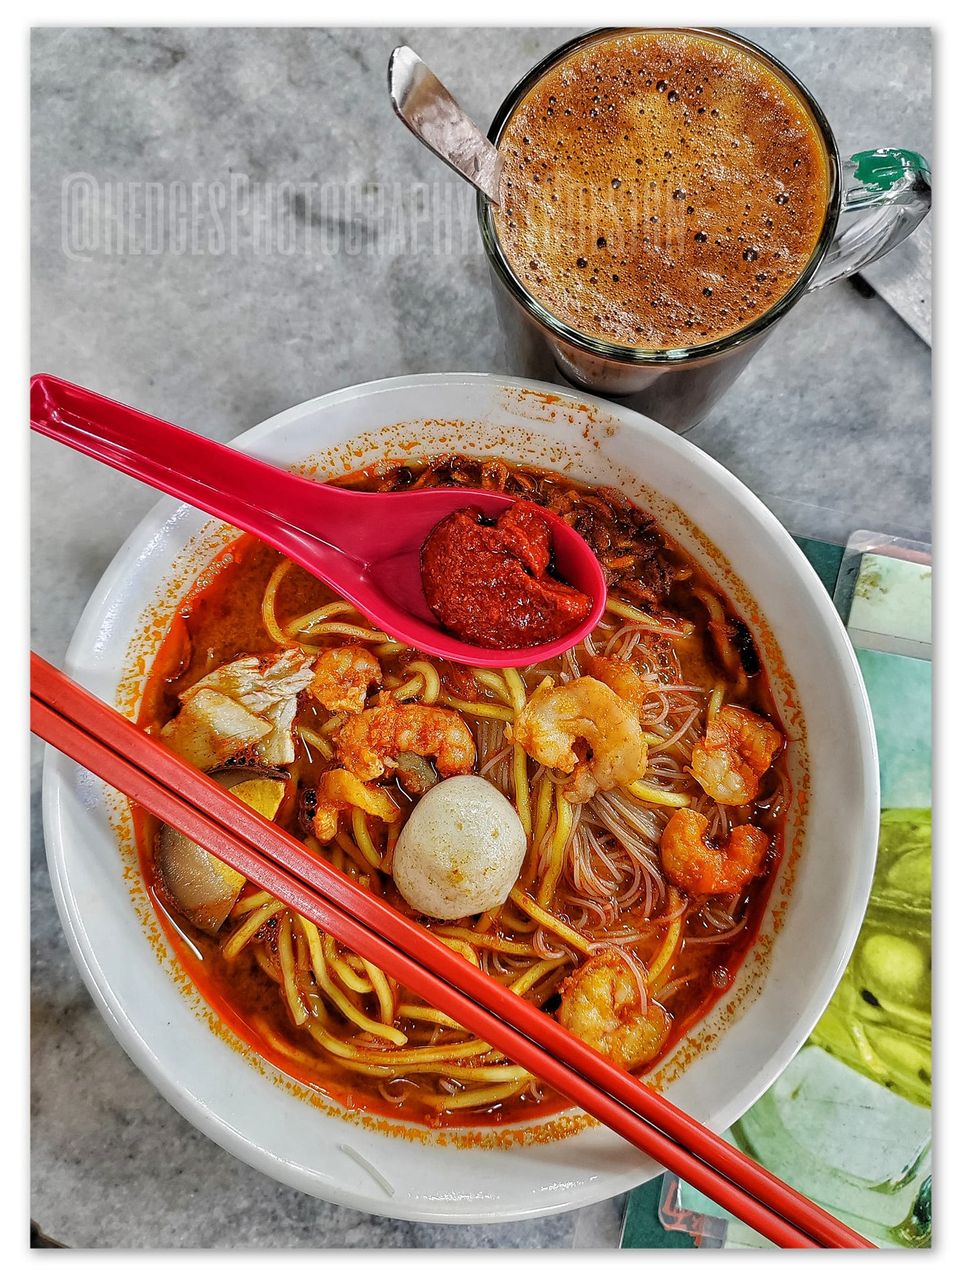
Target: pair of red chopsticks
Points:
(101, 740)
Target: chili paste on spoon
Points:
(491, 583)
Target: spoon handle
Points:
(430, 111)
(227, 484)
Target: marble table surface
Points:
(830, 424)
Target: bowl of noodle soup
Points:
(312, 1065)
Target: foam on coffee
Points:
(660, 189)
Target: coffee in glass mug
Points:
(660, 190)
(666, 195)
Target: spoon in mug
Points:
(365, 546)
(429, 110)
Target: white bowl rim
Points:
(206, 1119)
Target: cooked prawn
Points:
(342, 677)
(557, 718)
(737, 750)
(370, 742)
(693, 863)
(620, 676)
(339, 790)
(604, 1003)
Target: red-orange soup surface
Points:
(623, 953)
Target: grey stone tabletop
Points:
(830, 424)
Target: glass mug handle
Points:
(890, 191)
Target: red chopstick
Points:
(101, 740)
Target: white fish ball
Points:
(460, 851)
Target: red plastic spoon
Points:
(366, 546)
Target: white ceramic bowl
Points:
(819, 897)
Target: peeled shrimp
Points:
(342, 677)
(558, 717)
(620, 676)
(698, 866)
(370, 742)
(604, 1004)
(736, 752)
(339, 790)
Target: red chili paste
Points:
(490, 584)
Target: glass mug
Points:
(888, 191)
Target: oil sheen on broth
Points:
(660, 190)
(607, 909)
